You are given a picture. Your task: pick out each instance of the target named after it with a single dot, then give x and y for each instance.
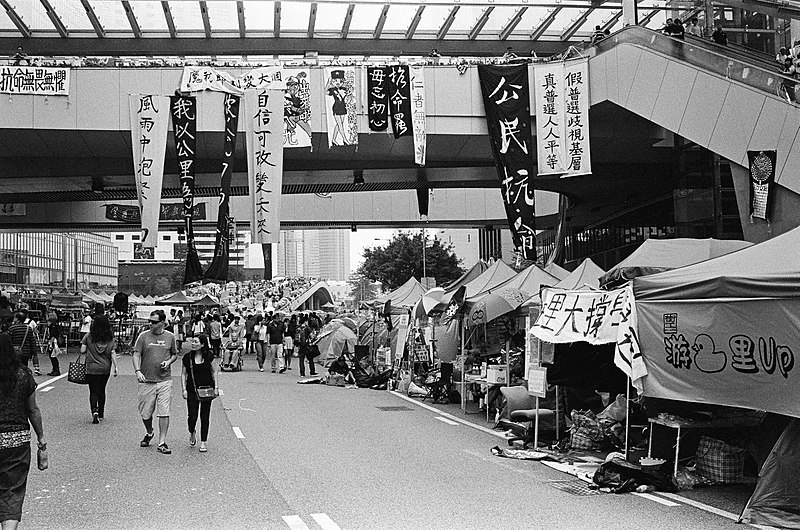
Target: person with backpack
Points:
(25, 340)
(305, 352)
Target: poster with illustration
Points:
(340, 106)
(297, 108)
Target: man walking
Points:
(275, 332)
(25, 339)
(249, 326)
(153, 355)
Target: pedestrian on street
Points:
(249, 325)
(153, 355)
(100, 348)
(27, 340)
(198, 327)
(275, 332)
(289, 331)
(54, 340)
(260, 332)
(198, 363)
(304, 340)
(215, 334)
(18, 412)
(178, 329)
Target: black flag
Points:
(400, 100)
(455, 305)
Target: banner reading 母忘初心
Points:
(34, 80)
(149, 121)
(377, 108)
(263, 112)
(561, 96)
(341, 106)
(762, 177)
(399, 93)
(418, 114)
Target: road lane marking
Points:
(48, 389)
(221, 393)
(659, 500)
(241, 407)
(238, 432)
(53, 380)
(445, 420)
(450, 416)
(295, 523)
(325, 522)
(700, 506)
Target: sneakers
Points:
(282, 370)
(95, 417)
(54, 373)
(164, 449)
(192, 439)
(146, 440)
(36, 371)
(273, 371)
(203, 447)
(260, 369)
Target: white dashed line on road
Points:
(238, 432)
(659, 500)
(53, 380)
(325, 522)
(48, 389)
(295, 523)
(445, 420)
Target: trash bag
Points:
(622, 476)
(585, 433)
(720, 462)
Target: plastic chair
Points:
(521, 408)
(439, 388)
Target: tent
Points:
(404, 296)
(206, 301)
(528, 280)
(586, 275)
(473, 272)
(332, 340)
(657, 255)
(177, 298)
(556, 270)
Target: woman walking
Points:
(99, 346)
(18, 412)
(198, 363)
(53, 343)
(215, 334)
(289, 332)
(260, 332)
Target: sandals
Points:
(164, 449)
(146, 440)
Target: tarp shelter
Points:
(528, 280)
(206, 301)
(473, 272)
(404, 297)
(92, 298)
(66, 301)
(587, 275)
(175, 299)
(724, 331)
(556, 270)
(658, 255)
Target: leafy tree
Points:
(362, 288)
(394, 264)
(160, 286)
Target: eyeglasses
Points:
(154, 321)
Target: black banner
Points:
(169, 212)
(184, 125)
(376, 98)
(508, 114)
(762, 176)
(218, 270)
(399, 91)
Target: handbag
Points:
(77, 372)
(18, 349)
(203, 393)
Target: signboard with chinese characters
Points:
(34, 80)
(418, 113)
(399, 89)
(126, 213)
(377, 109)
(561, 91)
(10, 208)
(198, 78)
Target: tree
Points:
(362, 288)
(402, 258)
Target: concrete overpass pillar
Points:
(794, 30)
(630, 15)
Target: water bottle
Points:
(41, 458)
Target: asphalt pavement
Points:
(289, 456)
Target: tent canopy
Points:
(404, 296)
(556, 270)
(528, 281)
(175, 299)
(206, 301)
(658, 255)
(473, 272)
(586, 275)
(496, 274)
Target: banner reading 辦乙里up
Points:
(561, 95)
(34, 80)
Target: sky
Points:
(367, 238)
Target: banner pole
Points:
(627, 418)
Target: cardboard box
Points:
(496, 374)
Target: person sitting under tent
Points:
(367, 377)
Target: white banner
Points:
(149, 119)
(297, 108)
(561, 95)
(198, 78)
(263, 119)
(340, 106)
(34, 80)
(418, 113)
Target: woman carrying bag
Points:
(53, 340)
(99, 347)
(199, 387)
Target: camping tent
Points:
(206, 301)
(556, 270)
(658, 255)
(586, 275)
(473, 272)
(332, 340)
(528, 280)
(177, 298)
(404, 296)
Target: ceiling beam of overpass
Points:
(482, 20)
(168, 16)
(55, 19)
(98, 27)
(137, 31)
(412, 27)
(16, 19)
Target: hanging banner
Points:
(506, 100)
(34, 80)
(399, 90)
(125, 213)
(297, 108)
(341, 106)
(218, 270)
(264, 162)
(198, 78)
(762, 177)
(418, 114)
(377, 110)
(184, 127)
(562, 118)
(149, 120)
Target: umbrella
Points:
(495, 304)
(428, 301)
(349, 322)
(332, 340)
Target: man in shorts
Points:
(153, 354)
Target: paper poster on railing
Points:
(561, 93)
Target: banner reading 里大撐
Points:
(341, 106)
(418, 113)
(149, 120)
(399, 91)
(762, 177)
(263, 112)
(377, 109)
(34, 80)
(561, 95)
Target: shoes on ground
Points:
(260, 369)
(36, 371)
(146, 440)
(281, 370)
(95, 417)
(54, 373)
(203, 447)
(164, 449)
(273, 371)
(289, 368)
(313, 373)
(192, 439)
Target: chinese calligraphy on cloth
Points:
(149, 120)
(399, 91)
(218, 270)
(184, 128)
(508, 116)
(762, 176)
(297, 108)
(377, 110)
(734, 352)
(262, 125)
(561, 93)
(198, 78)
(418, 113)
(126, 213)
(341, 105)
(34, 80)
(596, 317)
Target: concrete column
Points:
(630, 15)
(794, 31)
(709, 16)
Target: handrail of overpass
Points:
(702, 54)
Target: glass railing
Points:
(705, 55)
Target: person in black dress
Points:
(198, 362)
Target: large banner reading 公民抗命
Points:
(341, 106)
(508, 117)
(418, 114)
(184, 128)
(218, 269)
(149, 121)
(561, 95)
(399, 92)
(297, 108)
(762, 177)
(377, 109)
(735, 352)
(34, 80)
(262, 126)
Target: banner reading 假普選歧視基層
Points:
(732, 352)
(149, 119)
(561, 96)
(263, 110)
(34, 80)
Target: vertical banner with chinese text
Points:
(262, 126)
(418, 113)
(297, 108)
(341, 105)
(576, 118)
(399, 90)
(762, 177)
(218, 270)
(184, 125)
(377, 111)
(149, 120)
(505, 98)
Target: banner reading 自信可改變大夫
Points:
(263, 110)
(149, 120)
(561, 96)
(418, 114)
(341, 106)
(34, 80)
(762, 177)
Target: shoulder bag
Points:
(203, 393)
(19, 349)
(77, 372)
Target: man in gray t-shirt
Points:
(153, 355)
